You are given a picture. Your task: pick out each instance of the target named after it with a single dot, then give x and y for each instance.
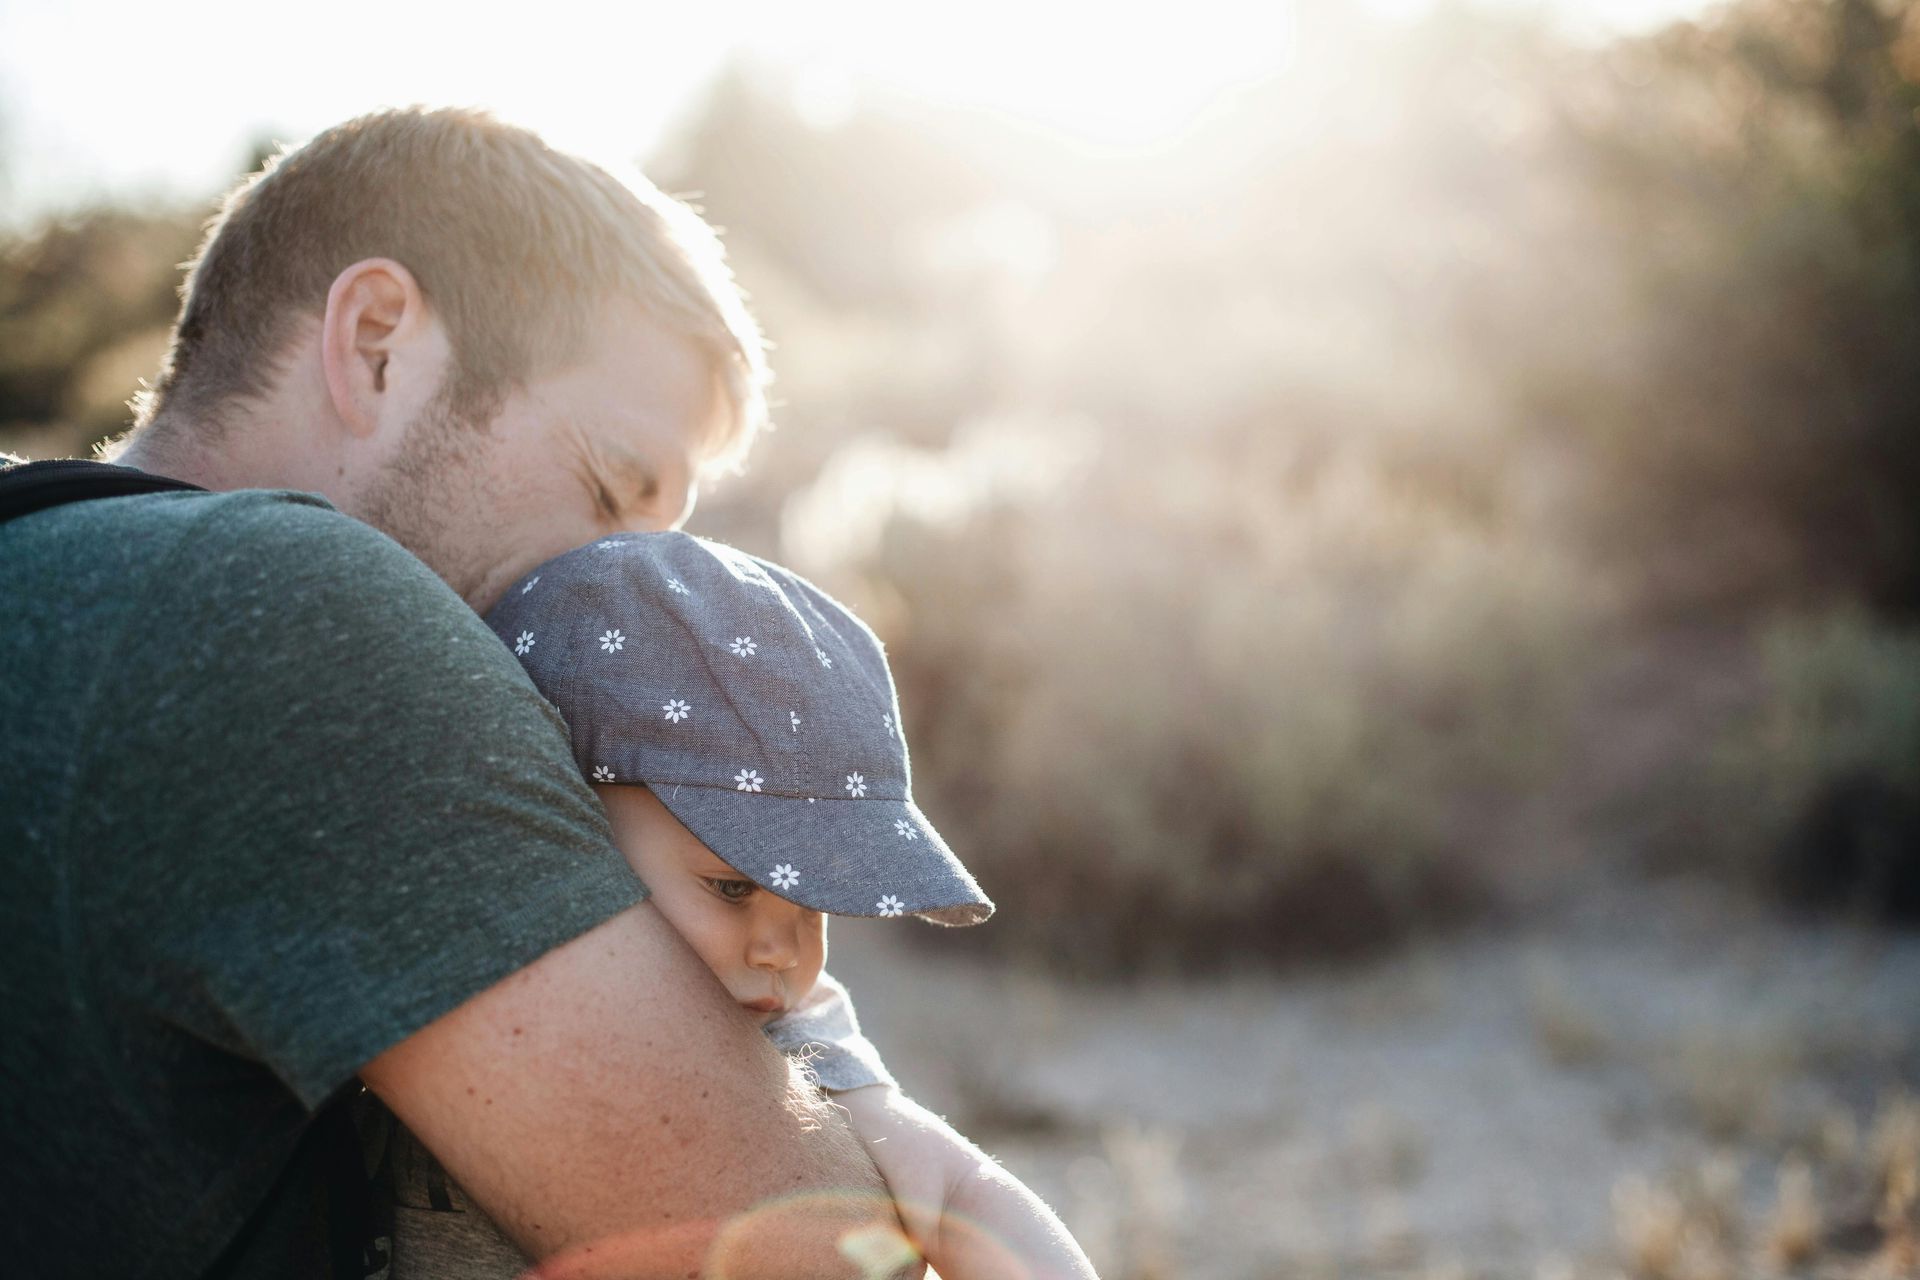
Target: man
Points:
(278, 812)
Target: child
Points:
(742, 731)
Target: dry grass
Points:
(1894, 1164)
(1729, 1084)
(1857, 1218)
(1793, 1229)
(1683, 1228)
(1128, 1202)
(1383, 1149)
(1567, 1031)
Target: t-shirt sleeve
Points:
(823, 1033)
(326, 804)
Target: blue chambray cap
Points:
(756, 707)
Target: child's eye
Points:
(732, 890)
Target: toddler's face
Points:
(766, 950)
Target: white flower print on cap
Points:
(800, 698)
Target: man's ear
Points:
(371, 339)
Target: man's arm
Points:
(972, 1219)
(612, 1110)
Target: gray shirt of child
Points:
(438, 1233)
(823, 1032)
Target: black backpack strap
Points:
(34, 486)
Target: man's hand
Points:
(616, 1115)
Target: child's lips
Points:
(765, 1004)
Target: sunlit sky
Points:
(144, 101)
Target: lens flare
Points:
(763, 1243)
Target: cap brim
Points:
(843, 857)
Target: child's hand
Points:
(971, 1219)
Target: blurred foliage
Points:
(85, 304)
(1751, 234)
(1185, 719)
(1816, 791)
(1247, 511)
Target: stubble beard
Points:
(432, 497)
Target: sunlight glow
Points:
(86, 111)
(1110, 76)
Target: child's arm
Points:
(972, 1219)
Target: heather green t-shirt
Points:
(272, 798)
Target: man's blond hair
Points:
(516, 246)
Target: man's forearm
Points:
(837, 1225)
(615, 1114)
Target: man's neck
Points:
(150, 450)
(244, 456)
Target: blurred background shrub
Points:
(1198, 711)
(85, 305)
(1814, 793)
(1262, 522)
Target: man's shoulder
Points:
(146, 527)
(260, 533)
(295, 547)
(172, 508)
(251, 524)
(268, 586)
(288, 572)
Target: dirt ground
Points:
(1623, 1089)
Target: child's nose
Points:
(775, 943)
